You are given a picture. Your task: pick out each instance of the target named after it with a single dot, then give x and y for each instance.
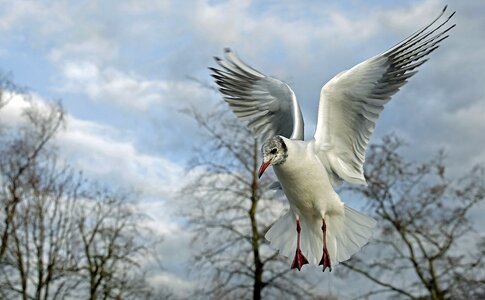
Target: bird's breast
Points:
(306, 184)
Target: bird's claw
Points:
(325, 261)
(299, 260)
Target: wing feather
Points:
(268, 104)
(351, 102)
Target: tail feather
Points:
(282, 234)
(346, 234)
(312, 239)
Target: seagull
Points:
(327, 230)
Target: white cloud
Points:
(104, 152)
(145, 6)
(331, 29)
(93, 47)
(99, 151)
(81, 71)
(41, 17)
(130, 91)
(11, 112)
(111, 85)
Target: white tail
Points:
(346, 234)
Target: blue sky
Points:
(120, 69)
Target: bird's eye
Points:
(273, 151)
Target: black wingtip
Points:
(446, 6)
(227, 50)
(213, 70)
(452, 15)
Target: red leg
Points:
(299, 259)
(325, 257)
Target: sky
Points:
(123, 70)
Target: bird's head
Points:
(274, 152)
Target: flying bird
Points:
(319, 227)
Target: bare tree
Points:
(230, 210)
(39, 258)
(113, 243)
(61, 235)
(37, 193)
(19, 152)
(427, 247)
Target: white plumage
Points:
(308, 171)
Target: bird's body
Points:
(308, 171)
(307, 185)
(305, 181)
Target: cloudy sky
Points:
(121, 69)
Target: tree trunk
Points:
(258, 265)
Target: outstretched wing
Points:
(350, 103)
(268, 104)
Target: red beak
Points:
(263, 167)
